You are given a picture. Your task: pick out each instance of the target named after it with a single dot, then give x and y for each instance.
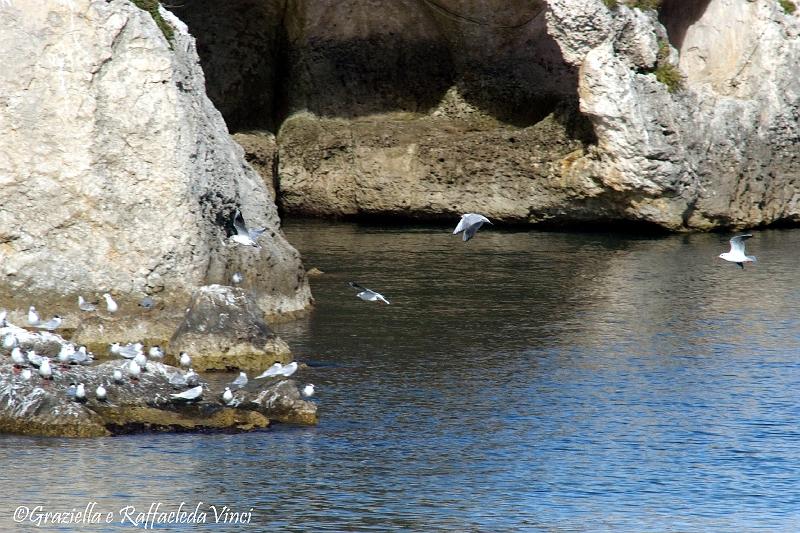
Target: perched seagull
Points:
(141, 360)
(188, 395)
(33, 316)
(155, 352)
(243, 235)
(308, 390)
(368, 295)
(237, 278)
(73, 387)
(111, 305)
(129, 351)
(80, 392)
(227, 396)
(470, 223)
(9, 341)
(81, 356)
(192, 379)
(26, 374)
(64, 354)
(50, 325)
(34, 358)
(17, 358)
(736, 253)
(83, 305)
(289, 369)
(100, 392)
(241, 381)
(274, 370)
(44, 369)
(117, 376)
(133, 370)
(185, 361)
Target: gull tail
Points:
(751, 258)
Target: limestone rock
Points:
(224, 329)
(116, 171)
(281, 401)
(543, 112)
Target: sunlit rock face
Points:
(117, 173)
(539, 112)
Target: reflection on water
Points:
(520, 381)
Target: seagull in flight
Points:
(470, 223)
(243, 234)
(368, 295)
(736, 253)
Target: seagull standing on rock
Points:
(44, 369)
(117, 376)
(736, 253)
(80, 392)
(141, 360)
(83, 305)
(17, 358)
(155, 352)
(26, 374)
(368, 295)
(227, 396)
(100, 392)
(9, 341)
(237, 278)
(111, 305)
(134, 370)
(241, 381)
(274, 370)
(185, 361)
(470, 223)
(188, 395)
(50, 325)
(33, 316)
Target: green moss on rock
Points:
(151, 6)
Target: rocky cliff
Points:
(117, 173)
(555, 112)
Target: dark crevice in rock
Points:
(677, 16)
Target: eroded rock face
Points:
(116, 171)
(224, 330)
(407, 108)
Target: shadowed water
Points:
(522, 381)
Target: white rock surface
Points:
(116, 171)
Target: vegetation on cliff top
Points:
(788, 6)
(151, 6)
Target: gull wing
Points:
(737, 243)
(239, 225)
(461, 224)
(255, 233)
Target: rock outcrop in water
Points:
(43, 407)
(540, 112)
(224, 330)
(117, 173)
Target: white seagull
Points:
(188, 395)
(141, 360)
(368, 295)
(17, 358)
(111, 305)
(289, 369)
(83, 305)
(470, 223)
(44, 369)
(26, 374)
(133, 369)
(50, 325)
(237, 278)
(9, 341)
(33, 316)
(227, 396)
(117, 376)
(308, 390)
(100, 392)
(274, 370)
(243, 234)
(241, 381)
(155, 352)
(80, 392)
(185, 361)
(736, 253)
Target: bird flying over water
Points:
(368, 295)
(470, 223)
(736, 253)
(243, 234)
